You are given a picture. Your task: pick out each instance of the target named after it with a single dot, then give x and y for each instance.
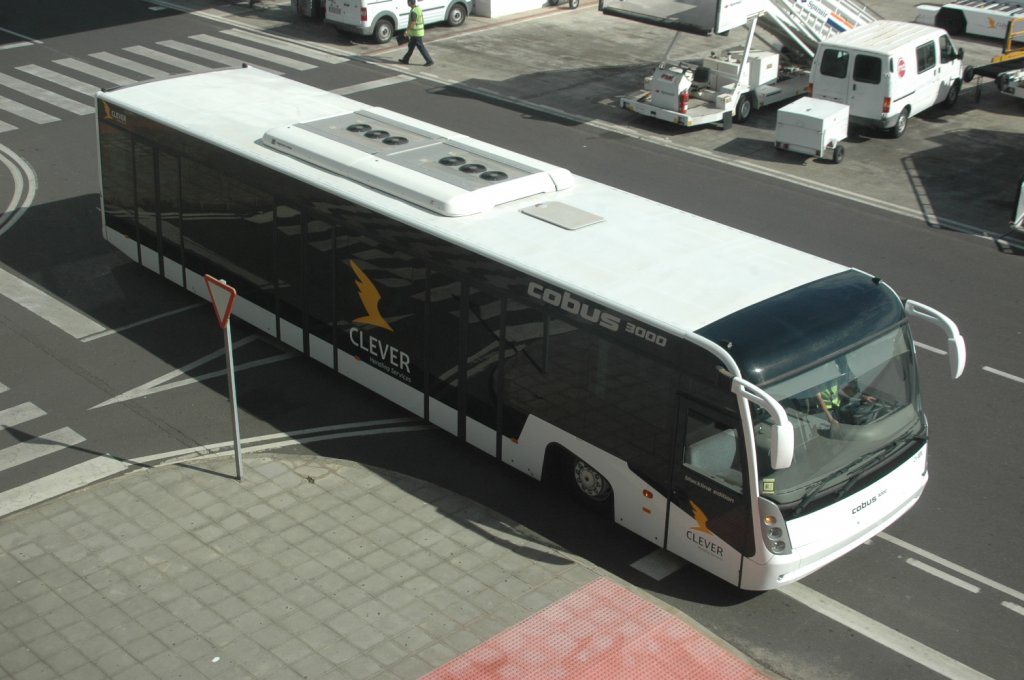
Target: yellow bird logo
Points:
(702, 519)
(370, 297)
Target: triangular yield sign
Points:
(223, 298)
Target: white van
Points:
(381, 18)
(888, 71)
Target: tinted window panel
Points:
(835, 63)
(867, 69)
(925, 56)
(118, 179)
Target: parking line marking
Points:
(938, 573)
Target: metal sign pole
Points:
(230, 354)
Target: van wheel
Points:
(383, 31)
(897, 130)
(456, 15)
(951, 96)
(743, 108)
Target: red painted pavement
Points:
(600, 632)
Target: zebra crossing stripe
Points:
(51, 486)
(252, 52)
(23, 111)
(55, 78)
(194, 51)
(129, 65)
(101, 73)
(22, 413)
(47, 96)
(25, 452)
(285, 45)
(168, 59)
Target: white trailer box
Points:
(813, 127)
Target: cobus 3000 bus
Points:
(749, 407)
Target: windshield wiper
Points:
(898, 444)
(857, 469)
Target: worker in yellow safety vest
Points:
(415, 33)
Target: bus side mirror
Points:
(782, 437)
(955, 345)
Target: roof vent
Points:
(430, 167)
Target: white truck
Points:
(721, 88)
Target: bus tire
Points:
(456, 14)
(897, 130)
(587, 486)
(383, 31)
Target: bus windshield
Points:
(851, 414)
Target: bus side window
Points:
(711, 450)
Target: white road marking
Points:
(22, 413)
(882, 634)
(252, 52)
(930, 348)
(69, 320)
(7, 127)
(659, 564)
(69, 479)
(96, 71)
(371, 85)
(3, 388)
(45, 95)
(129, 65)
(215, 57)
(938, 573)
(55, 78)
(26, 112)
(143, 322)
(162, 383)
(280, 440)
(25, 452)
(952, 566)
(1014, 607)
(168, 59)
(23, 188)
(1003, 374)
(286, 45)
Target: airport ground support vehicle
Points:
(814, 127)
(888, 72)
(750, 407)
(1007, 69)
(727, 87)
(973, 17)
(383, 18)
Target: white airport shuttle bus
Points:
(750, 407)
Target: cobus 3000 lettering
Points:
(567, 303)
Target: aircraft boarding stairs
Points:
(800, 25)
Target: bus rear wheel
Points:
(589, 486)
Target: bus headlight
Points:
(773, 528)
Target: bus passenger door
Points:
(709, 515)
(464, 359)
